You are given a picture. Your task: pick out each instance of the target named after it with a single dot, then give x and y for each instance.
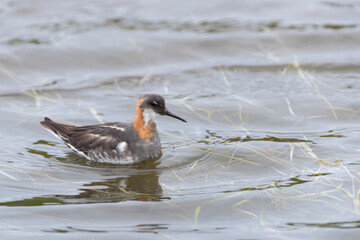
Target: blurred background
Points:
(270, 90)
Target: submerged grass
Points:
(230, 157)
(329, 182)
(322, 187)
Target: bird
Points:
(117, 142)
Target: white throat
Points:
(149, 115)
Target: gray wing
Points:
(95, 142)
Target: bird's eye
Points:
(153, 104)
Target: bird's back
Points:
(110, 142)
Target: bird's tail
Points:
(58, 129)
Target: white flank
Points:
(56, 135)
(149, 114)
(77, 151)
(121, 147)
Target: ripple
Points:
(209, 27)
(34, 41)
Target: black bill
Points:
(174, 116)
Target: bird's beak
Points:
(174, 116)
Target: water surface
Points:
(270, 90)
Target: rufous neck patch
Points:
(144, 131)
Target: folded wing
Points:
(96, 142)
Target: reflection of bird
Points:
(117, 142)
(138, 182)
(139, 185)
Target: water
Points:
(270, 90)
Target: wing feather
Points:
(95, 141)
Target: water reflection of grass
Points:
(335, 191)
(324, 191)
(323, 187)
(341, 225)
(35, 201)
